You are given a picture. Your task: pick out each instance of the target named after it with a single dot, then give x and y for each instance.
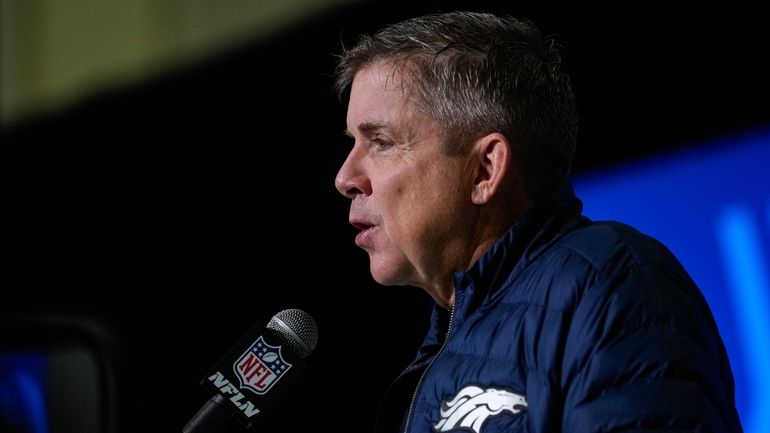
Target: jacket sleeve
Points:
(643, 354)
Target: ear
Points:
(493, 153)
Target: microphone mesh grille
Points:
(302, 334)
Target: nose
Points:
(352, 180)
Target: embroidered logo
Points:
(472, 406)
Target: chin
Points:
(384, 280)
(384, 276)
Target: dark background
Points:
(182, 211)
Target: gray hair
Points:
(477, 73)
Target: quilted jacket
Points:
(568, 325)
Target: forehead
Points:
(379, 95)
(378, 80)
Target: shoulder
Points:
(634, 286)
(597, 258)
(608, 246)
(642, 333)
(611, 250)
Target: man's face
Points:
(410, 201)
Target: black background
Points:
(180, 212)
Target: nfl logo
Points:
(260, 367)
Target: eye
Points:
(382, 144)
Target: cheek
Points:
(393, 194)
(417, 215)
(400, 206)
(415, 208)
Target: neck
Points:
(489, 225)
(494, 219)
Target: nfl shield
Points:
(260, 367)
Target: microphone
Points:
(256, 371)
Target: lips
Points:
(366, 230)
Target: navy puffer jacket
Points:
(569, 325)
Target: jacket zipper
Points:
(424, 372)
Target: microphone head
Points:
(296, 329)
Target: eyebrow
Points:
(367, 128)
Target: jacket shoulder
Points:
(585, 257)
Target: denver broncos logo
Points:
(472, 406)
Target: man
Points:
(463, 129)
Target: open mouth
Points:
(363, 238)
(362, 226)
